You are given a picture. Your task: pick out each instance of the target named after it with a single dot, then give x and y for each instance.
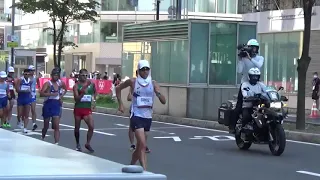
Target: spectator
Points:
(315, 88)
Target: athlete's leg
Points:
(45, 127)
(2, 117)
(140, 152)
(9, 111)
(19, 116)
(90, 123)
(77, 124)
(33, 115)
(56, 122)
(25, 117)
(131, 136)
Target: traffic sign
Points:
(12, 44)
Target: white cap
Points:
(11, 69)
(3, 74)
(31, 67)
(143, 63)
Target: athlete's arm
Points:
(44, 89)
(38, 82)
(8, 91)
(17, 85)
(129, 97)
(157, 92)
(94, 92)
(63, 86)
(127, 83)
(76, 95)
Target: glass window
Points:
(161, 62)
(223, 48)
(221, 7)
(231, 6)
(126, 5)
(199, 52)
(96, 31)
(120, 25)
(179, 62)
(246, 32)
(200, 6)
(109, 5)
(108, 31)
(86, 32)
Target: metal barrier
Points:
(24, 157)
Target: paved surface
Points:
(182, 158)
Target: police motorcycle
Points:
(266, 123)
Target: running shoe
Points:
(8, 125)
(4, 125)
(78, 148)
(87, 146)
(132, 147)
(34, 127)
(148, 150)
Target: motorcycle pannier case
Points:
(224, 114)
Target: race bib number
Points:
(25, 88)
(3, 91)
(144, 101)
(86, 98)
(11, 86)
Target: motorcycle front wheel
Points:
(241, 144)
(278, 144)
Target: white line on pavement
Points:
(83, 129)
(153, 129)
(308, 173)
(193, 127)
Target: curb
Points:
(292, 135)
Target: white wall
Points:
(283, 20)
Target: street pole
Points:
(13, 12)
(178, 9)
(158, 10)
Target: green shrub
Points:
(102, 99)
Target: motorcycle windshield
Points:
(273, 96)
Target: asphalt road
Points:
(177, 153)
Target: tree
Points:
(61, 13)
(303, 64)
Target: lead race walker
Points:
(52, 105)
(143, 91)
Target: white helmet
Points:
(254, 75)
(253, 42)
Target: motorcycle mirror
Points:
(281, 88)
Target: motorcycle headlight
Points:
(276, 105)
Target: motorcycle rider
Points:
(249, 89)
(252, 60)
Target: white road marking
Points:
(216, 138)
(30, 133)
(193, 127)
(309, 173)
(175, 138)
(83, 129)
(153, 129)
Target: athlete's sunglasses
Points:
(84, 75)
(145, 69)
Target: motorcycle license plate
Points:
(221, 115)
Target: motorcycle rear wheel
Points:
(278, 144)
(241, 144)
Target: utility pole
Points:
(13, 12)
(178, 9)
(158, 9)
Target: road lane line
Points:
(83, 129)
(193, 127)
(152, 129)
(309, 173)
